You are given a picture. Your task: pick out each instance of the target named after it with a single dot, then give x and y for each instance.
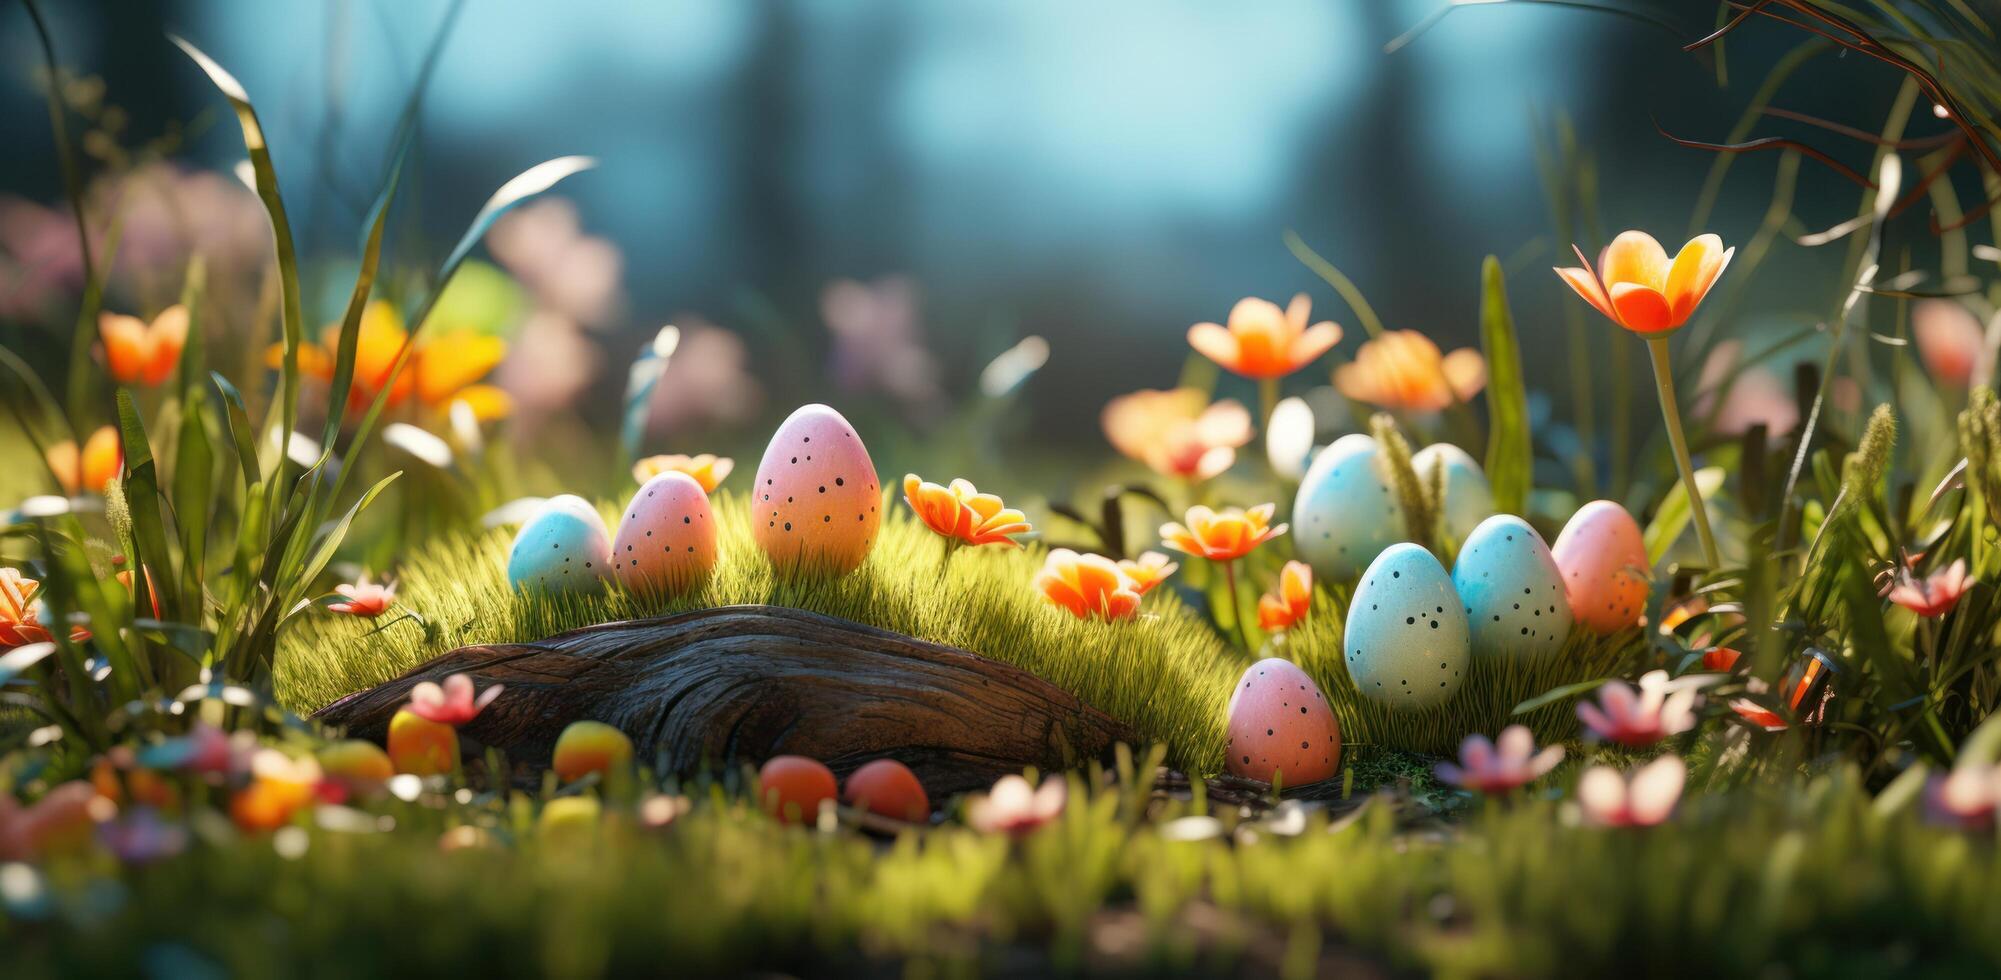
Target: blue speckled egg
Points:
(1469, 499)
(1346, 513)
(1511, 590)
(564, 547)
(1407, 644)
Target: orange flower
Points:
(18, 625)
(1150, 570)
(441, 369)
(708, 469)
(1403, 369)
(1288, 606)
(1087, 585)
(92, 468)
(1263, 341)
(280, 786)
(1177, 433)
(960, 511)
(1640, 288)
(136, 352)
(1225, 535)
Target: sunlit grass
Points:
(1167, 673)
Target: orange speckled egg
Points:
(794, 786)
(1280, 726)
(1605, 568)
(667, 541)
(816, 505)
(888, 788)
(586, 747)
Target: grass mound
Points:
(1166, 673)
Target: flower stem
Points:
(1664, 382)
(1236, 614)
(1267, 401)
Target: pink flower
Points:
(878, 343)
(1949, 339)
(1498, 769)
(707, 381)
(1660, 708)
(1754, 396)
(1966, 798)
(205, 750)
(1015, 808)
(1933, 596)
(1642, 799)
(364, 598)
(452, 704)
(570, 273)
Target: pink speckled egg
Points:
(1605, 567)
(667, 541)
(817, 504)
(1280, 726)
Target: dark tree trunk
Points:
(739, 684)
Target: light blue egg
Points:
(1407, 644)
(1469, 499)
(564, 547)
(1346, 513)
(1511, 590)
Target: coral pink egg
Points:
(1605, 568)
(794, 786)
(888, 788)
(816, 504)
(667, 542)
(1280, 726)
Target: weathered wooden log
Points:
(739, 684)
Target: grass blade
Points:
(1510, 455)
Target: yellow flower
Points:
(1263, 341)
(1221, 536)
(1639, 288)
(960, 511)
(441, 370)
(1403, 369)
(708, 469)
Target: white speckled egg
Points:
(1511, 590)
(667, 541)
(816, 504)
(1345, 513)
(562, 548)
(1280, 726)
(1605, 568)
(1407, 644)
(1469, 499)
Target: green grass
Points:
(1167, 673)
(1815, 882)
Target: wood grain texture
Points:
(736, 685)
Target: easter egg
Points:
(1605, 567)
(586, 747)
(563, 547)
(1469, 499)
(1511, 589)
(816, 504)
(1345, 513)
(1280, 726)
(888, 788)
(794, 786)
(667, 541)
(1407, 642)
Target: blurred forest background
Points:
(1102, 175)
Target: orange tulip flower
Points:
(441, 370)
(1263, 341)
(963, 513)
(708, 469)
(136, 352)
(1289, 605)
(280, 786)
(18, 624)
(1638, 287)
(1087, 585)
(1151, 569)
(1177, 433)
(1225, 535)
(1403, 369)
(90, 469)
